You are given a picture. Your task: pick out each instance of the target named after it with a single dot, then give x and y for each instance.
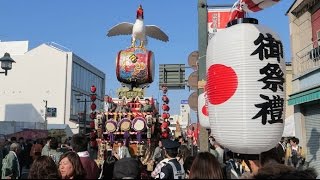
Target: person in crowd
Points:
(53, 150)
(112, 106)
(122, 151)
(46, 147)
(126, 168)
(268, 157)
(281, 148)
(108, 167)
(187, 165)
(273, 170)
(172, 169)
(22, 154)
(13, 139)
(10, 164)
(184, 152)
(36, 149)
(158, 153)
(43, 168)
(147, 107)
(295, 156)
(6, 147)
(217, 150)
(79, 144)
(205, 166)
(182, 141)
(70, 166)
(122, 107)
(29, 143)
(156, 172)
(2, 141)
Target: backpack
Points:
(177, 174)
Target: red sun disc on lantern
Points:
(222, 83)
(205, 111)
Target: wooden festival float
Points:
(129, 118)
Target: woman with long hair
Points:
(43, 167)
(183, 153)
(70, 166)
(205, 166)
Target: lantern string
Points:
(241, 7)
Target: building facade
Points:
(304, 19)
(43, 83)
(289, 127)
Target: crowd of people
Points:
(164, 159)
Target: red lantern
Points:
(93, 89)
(165, 115)
(164, 89)
(165, 99)
(93, 97)
(92, 126)
(165, 129)
(92, 115)
(93, 106)
(165, 107)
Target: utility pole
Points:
(84, 115)
(45, 115)
(202, 48)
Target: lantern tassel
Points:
(126, 136)
(111, 137)
(139, 136)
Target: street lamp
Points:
(45, 114)
(84, 112)
(6, 63)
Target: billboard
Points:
(217, 20)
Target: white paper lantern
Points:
(203, 111)
(245, 87)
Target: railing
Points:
(307, 60)
(58, 46)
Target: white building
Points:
(183, 118)
(47, 73)
(185, 114)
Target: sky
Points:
(81, 26)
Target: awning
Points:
(304, 96)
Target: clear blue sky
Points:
(81, 26)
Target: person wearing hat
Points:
(172, 169)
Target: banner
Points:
(217, 20)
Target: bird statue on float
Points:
(138, 30)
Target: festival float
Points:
(130, 118)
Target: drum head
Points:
(139, 124)
(125, 124)
(111, 125)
